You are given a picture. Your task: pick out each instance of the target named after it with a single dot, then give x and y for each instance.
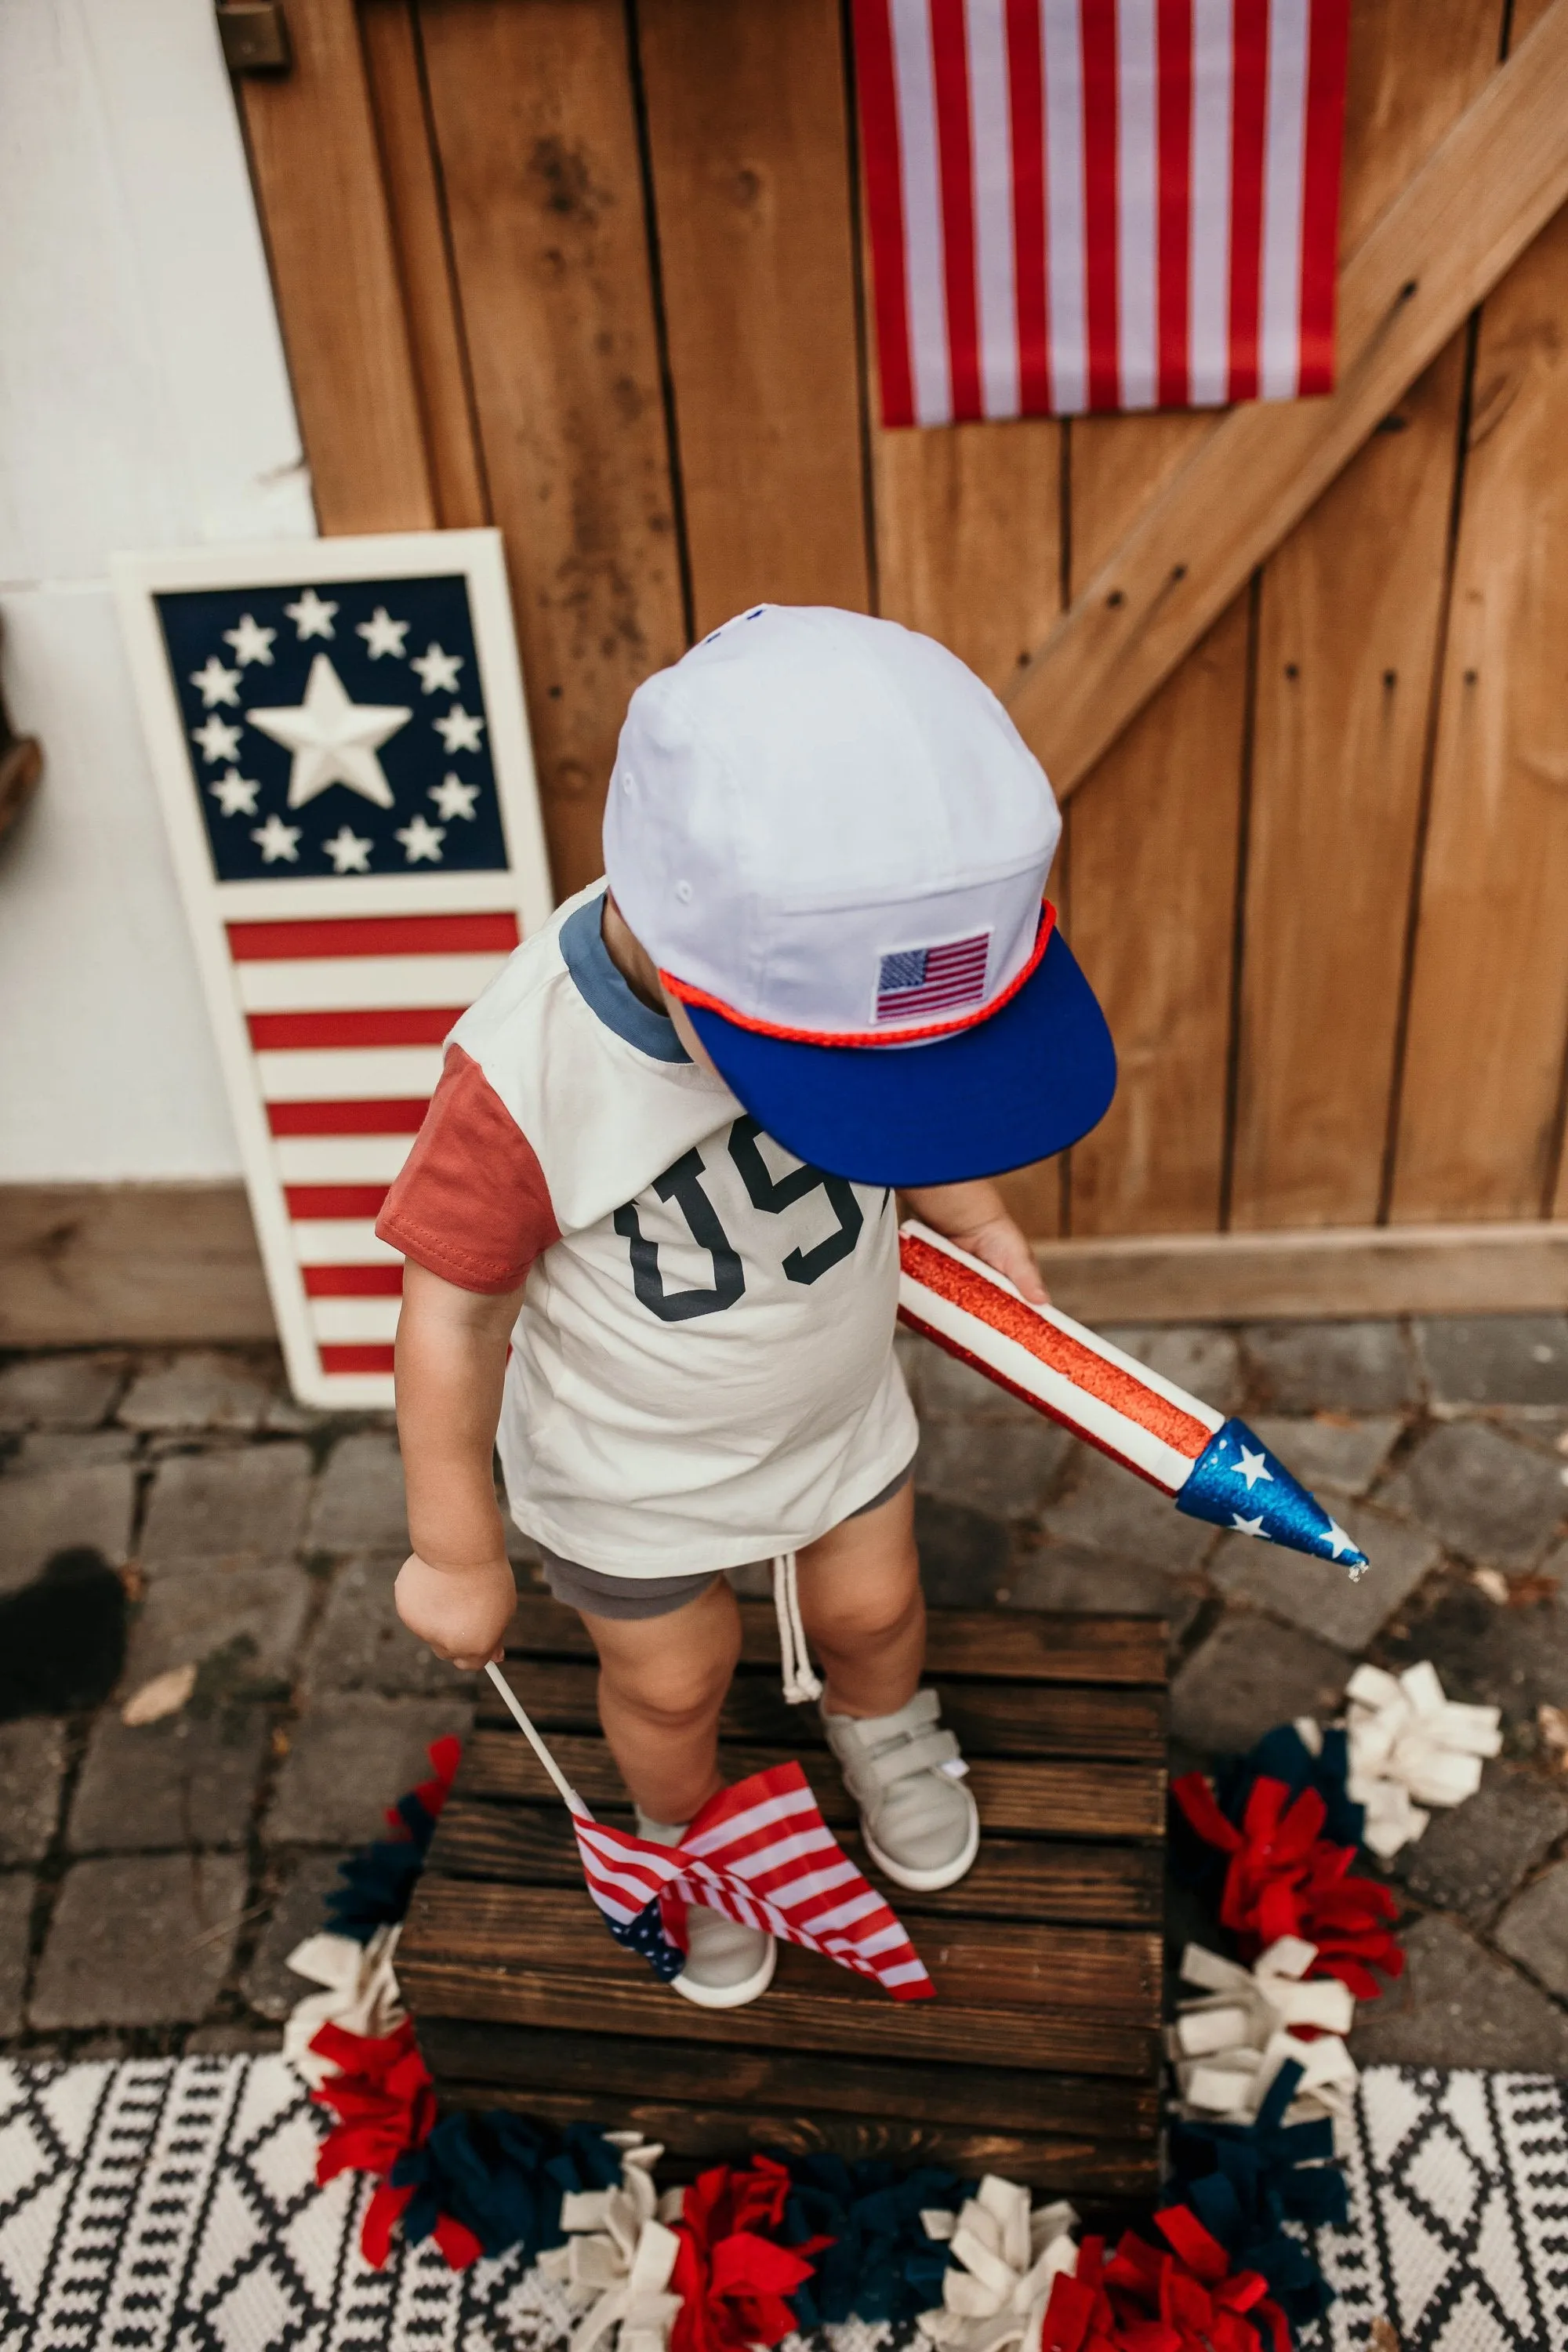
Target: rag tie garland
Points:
(376, 1884)
(1245, 2181)
(359, 1995)
(1284, 1879)
(732, 2275)
(1410, 1747)
(1229, 2043)
(620, 2257)
(1182, 2297)
(881, 2263)
(1005, 2258)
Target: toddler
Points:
(660, 1164)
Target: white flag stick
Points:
(514, 1708)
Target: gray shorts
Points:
(599, 1594)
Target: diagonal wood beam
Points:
(1485, 191)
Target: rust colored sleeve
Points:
(471, 1203)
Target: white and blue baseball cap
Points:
(834, 843)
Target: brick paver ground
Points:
(152, 1880)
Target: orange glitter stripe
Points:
(997, 1308)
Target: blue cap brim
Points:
(1016, 1087)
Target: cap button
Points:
(683, 892)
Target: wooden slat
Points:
(748, 142)
(414, 196)
(1012, 1878)
(981, 1644)
(989, 1718)
(1349, 620)
(1101, 1972)
(695, 2135)
(998, 2098)
(1457, 226)
(334, 270)
(1066, 1800)
(1483, 1073)
(1157, 828)
(537, 138)
(466, 1951)
(82, 1264)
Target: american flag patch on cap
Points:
(913, 983)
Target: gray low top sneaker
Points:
(919, 1820)
(727, 1964)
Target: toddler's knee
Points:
(675, 1694)
(862, 1616)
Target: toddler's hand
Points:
(1000, 1243)
(461, 1613)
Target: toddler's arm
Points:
(973, 1216)
(455, 1589)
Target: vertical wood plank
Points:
(968, 536)
(1155, 840)
(414, 196)
(537, 140)
(1483, 1068)
(1350, 622)
(334, 269)
(748, 138)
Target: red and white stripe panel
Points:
(1059, 1367)
(345, 1017)
(1101, 204)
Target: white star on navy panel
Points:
(303, 758)
(334, 740)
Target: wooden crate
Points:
(1039, 2057)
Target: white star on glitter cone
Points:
(421, 839)
(437, 670)
(350, 852)
(216, 684)
(460, 729)
(277, 840)
(454, 798)
(1247, 1527)
(250, 641)
(1229, 2045)
(334, 741)
(1253, 1466)
(1410, 1747)
(619, 2254)
(1004, 2260)
(382, 633)
(218, 739)
(312, 616)
(235, 793)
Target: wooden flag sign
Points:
(338, 733)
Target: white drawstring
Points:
(794, 1660)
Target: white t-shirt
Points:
(703, 1370)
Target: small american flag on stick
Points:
(759, 1853)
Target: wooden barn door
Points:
(593, 270)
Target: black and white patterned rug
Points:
(170, 2206)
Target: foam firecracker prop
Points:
(1212, 1468)
(1004, 2260)
(1283, 1878)
(1230, 2044)
(758, 1853)
(1410, 1748)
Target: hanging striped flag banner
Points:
(1101, 204)
(338, 736)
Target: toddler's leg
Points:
(861, 1604)
(662, 1681)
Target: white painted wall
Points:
(144, 403)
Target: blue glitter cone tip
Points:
(1236, 1483)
